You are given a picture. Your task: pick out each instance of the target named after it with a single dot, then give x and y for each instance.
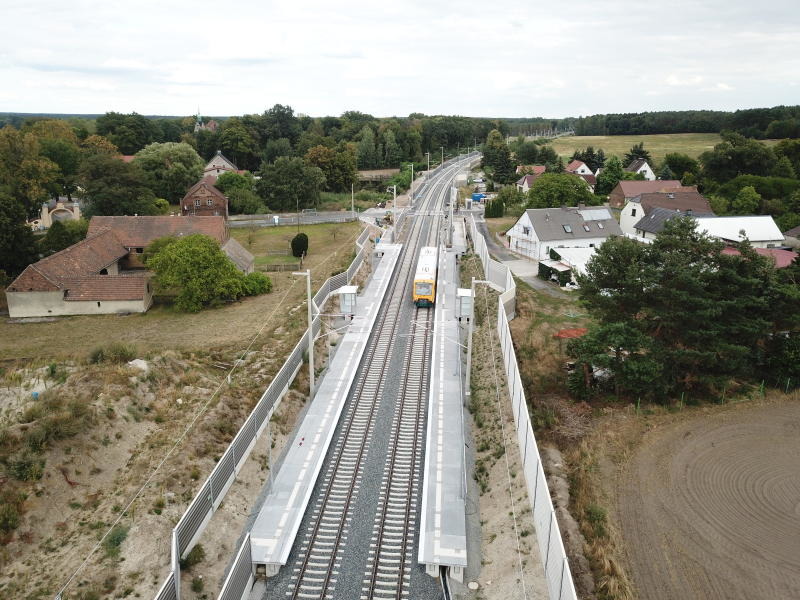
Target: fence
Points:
(193, 522)
(551, 546)
(342, 216)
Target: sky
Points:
(483, 59)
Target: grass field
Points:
(163, 328)
(693, 144)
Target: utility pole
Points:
(441, 163)
(428, 154)
(411, 187)
(307, 275)
(352, 201)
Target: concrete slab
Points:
(459, 235)
(443, 539)
(275, 528)
(522, 267)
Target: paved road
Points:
(523, 268)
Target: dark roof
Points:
(137, 232)
(529, 178)
(636, 165)
(549, 223)
(237, 253)
(793, 232)
(692, 200)
(653, 221)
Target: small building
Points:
(525, 183)
(792, 237)
(539, 230)
(627, 190)
(641, 206)
(56, 210)
(761, 230)
(578, 167)
(531, 169)
(782, 258)
(88, 278)
(647, 228)
(640, 167)
(219, 165)
(204, 200)
(591, 180)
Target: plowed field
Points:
(709, 507)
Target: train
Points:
(424, 293)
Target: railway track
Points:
(318, 565)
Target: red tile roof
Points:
(535, 169)
(590, 179)
(575, 165)
(677, 200)
(782, 258)
(107, 288)
(98, 251)
(138, 232)
(631, 189)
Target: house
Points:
(539, 230)
(136, 233)
(565, 263)
(88, 278)
(761, 230)
(639, 207)
(590, 180)
(782, 258)
(204, 200)
(525, 183)
(219, 165)
(56, 210)
(649, 226)
(792, 237)
(626, 190)
(578, 167)
(640, 167)
(531, 169)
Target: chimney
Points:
(546, 216)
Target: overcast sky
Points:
(501, 58)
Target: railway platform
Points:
(443, 539)
(275, 528)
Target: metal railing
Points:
(194, 520)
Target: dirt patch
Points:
(708, 504)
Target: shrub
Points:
(113, 541)
(10, 508)
(195, 556)
(257, 283)
(115, 353)
(26, 466)
(197, 584)
(299, 245)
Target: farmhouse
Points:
(539, 230)
(219, 165)
(204, 200)
(628, 190)
(531, 169)
(578, 167)
(640, 167)
(88, 278)
(525, 182)
(640, 207)
(136, 233)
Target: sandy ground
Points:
(709, 505)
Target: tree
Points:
(24, 173)
(238, 143)
(593, 160)
(494, 207)
(229, 180)
(130, 133)
(170, 168)
(244, 201)
(17, 242)
(289, 184)
(737, 155)
(338, 167)
(195, 269)
(747, 202)
(637, 152)
(63, 234)
(280, 122)
(366, 152)
(497, 155)
(554, 189)
(527, 153)
(666, 173)
(300, 245)
(113, 187)
(783, 168)
(276, 148)
(609, 177)
(392, 154)
(681, 164)
(97, 144)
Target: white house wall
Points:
(627, 219)
(52, 304)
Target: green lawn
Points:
(693, 144)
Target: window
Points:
(585, 227)
(567, 228)
(103, 271)
(600, 225)
(526, 230)
(197, 202)
(633, 212)
(210, 202)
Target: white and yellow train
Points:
(425, 278)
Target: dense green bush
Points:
(257, 283)
(113, 541)
(299, 245)
(195, 556)
(114, 353)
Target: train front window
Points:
(424, 288)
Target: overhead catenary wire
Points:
(225, 379)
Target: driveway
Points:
(523, 268)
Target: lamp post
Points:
(468, 391)
(428, 154)
(441, 163)
(411, 187)
(307, 275)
